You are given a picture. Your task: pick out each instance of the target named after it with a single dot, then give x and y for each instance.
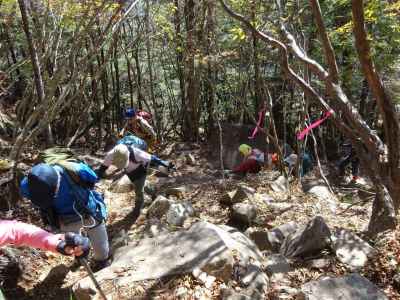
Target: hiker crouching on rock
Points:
(135, 163)
(253, 160)
(67, 206)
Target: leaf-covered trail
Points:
(49, 276)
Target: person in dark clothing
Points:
(349, 156)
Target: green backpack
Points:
(63, 157)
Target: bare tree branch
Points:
(385, 104)
(328, 49)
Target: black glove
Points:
(73, 240)
(171, 166)
(100, 171)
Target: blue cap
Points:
(130, 113)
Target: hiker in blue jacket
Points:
(135, 163)
(68, 207)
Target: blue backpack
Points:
(88, 202)
(81, 178)
(134, 141)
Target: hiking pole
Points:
(85, 264)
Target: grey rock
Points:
(277, 266)
(319, 263)
(280, 207)
(120, 240)
(122, 185)
(159, 207)
(230, 294)
(267, 199)
(239, 195)
(226, 198)
(179, 212)
(271, 240)
(243, 193)
(260, 238)
(247, 189)
(243, 213)
(281, 184)
(314, 237)
(175, 191)
(204, 246)
(154, 227)
(350, 287)
(255, 279)
(322, 193)
(351, 249)
(277, 235)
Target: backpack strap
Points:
(132, 155)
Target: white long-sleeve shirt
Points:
(141, 158)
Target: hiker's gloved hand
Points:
(171, 167)
(156, 161)
(74, 244)
(100, 171)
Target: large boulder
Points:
(351, 249)
(159, 207)
(205, 246)
(350, 287)
(309, 240)
(122, 185)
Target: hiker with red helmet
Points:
(138, 124)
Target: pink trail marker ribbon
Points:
(261, 116)
(303, 133)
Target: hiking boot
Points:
(98, 265)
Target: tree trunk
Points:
(191, 115)
(179, 57)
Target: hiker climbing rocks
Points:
(138, 125)
(22, 234)
(68, 205)
(253, 159)
(349, 156)
(135, 163)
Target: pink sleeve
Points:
(18, 234)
